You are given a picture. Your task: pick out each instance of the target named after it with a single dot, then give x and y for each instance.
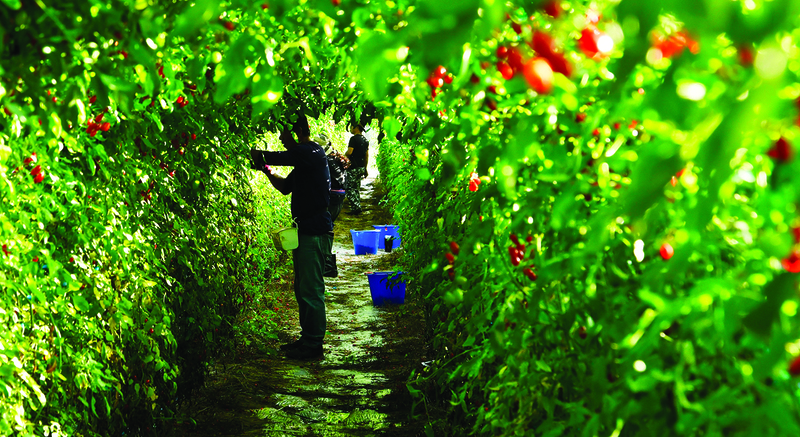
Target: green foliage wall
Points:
(128, 217)
(616, 255)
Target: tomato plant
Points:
(132, 234)
(657, 295)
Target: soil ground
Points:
(358, 387)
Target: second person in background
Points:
(337, 165)
(358, 154)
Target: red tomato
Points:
(539, 75)
(454, 248)
(515, 59)
(505, 70)
(792, 262)
(588, 42)
(435, 81)
(542, 44)
(559, 64)
(746, 56)
(666, 251)
(502, 52)
(781, 151)
(552, 8)
(794, 367)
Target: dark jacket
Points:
(309, 182)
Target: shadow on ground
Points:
(357, 389)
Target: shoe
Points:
(305, 353)
(330, 267)
(292, 346)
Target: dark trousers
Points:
(309, 286)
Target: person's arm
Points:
(350, 147)
(277, 181)
(366, 164)
(261, 158)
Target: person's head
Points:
(301, 129)
(287, 139)
(323, 141)
(356, 129)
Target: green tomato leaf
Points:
(80, 303)
(13, 4)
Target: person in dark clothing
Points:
(309, 183)
(337, 166)
(358, 153)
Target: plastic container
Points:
(392, 230)
(365, 242)
(387, 288)
(286, 237)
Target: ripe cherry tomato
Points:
(539, 75)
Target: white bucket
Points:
(287, 238)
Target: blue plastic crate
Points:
(365, 242)
(387, 287)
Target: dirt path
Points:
(357, 389)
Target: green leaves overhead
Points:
(232, 76)
(378, 58)
(199, 14)
(440, 29)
